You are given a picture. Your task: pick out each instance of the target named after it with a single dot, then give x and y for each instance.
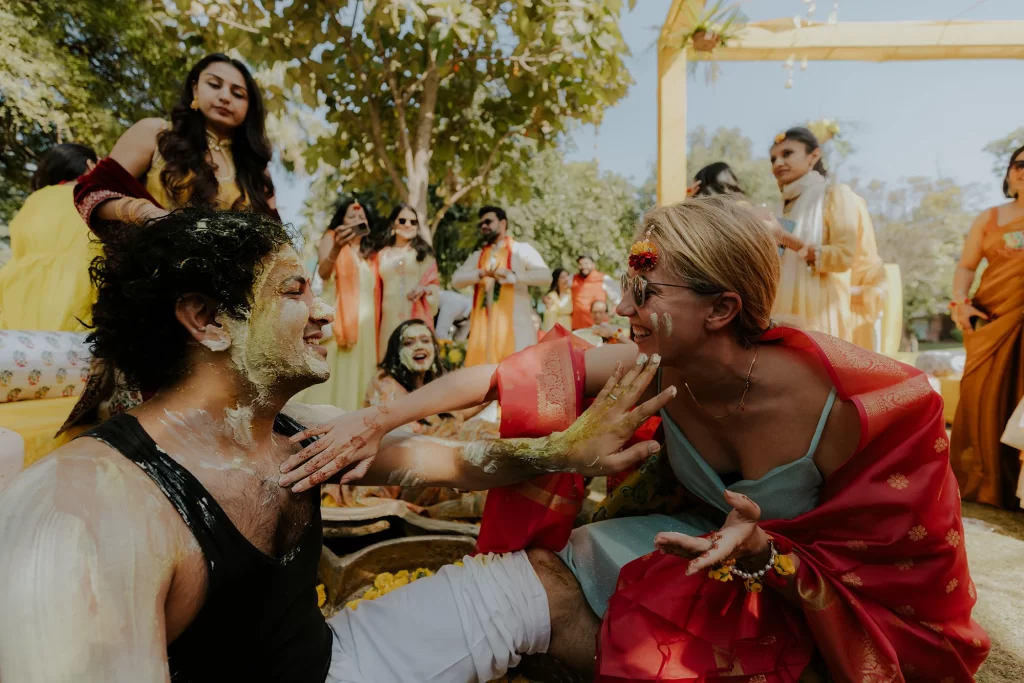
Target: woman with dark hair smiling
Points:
(407, 276)
(812, 292)
(214, 153)
(993, 382)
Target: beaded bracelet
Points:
(752, 581)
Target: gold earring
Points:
(195, 104)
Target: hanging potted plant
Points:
(713, 27)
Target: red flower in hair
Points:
(643, 256)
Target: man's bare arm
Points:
(84, 573)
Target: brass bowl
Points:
(345, 578)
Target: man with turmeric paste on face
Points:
(165, 544)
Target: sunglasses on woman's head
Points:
(637, 284)
(410, 221)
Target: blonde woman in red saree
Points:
(778, 443)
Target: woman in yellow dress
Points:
(214, 152)
(45, 285)
(345, 264)
(993, 328)
(814, 289)
(558, 301)
(408, 279)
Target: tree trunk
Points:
(419, 174)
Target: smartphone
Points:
(361, 230)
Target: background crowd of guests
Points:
(213, 151)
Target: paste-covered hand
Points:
(592, 445)
(347, 439)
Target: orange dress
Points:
(993, 380)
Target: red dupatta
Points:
(885, 593)
(540, 391)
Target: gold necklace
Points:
(746, 387)
(215, 144)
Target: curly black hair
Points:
(145, 270)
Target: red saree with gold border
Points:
(883, 584)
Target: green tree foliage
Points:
(736, 149)
(429, 93)
(921, 224)
(1001, 150)
(572, 209)
(78, 71)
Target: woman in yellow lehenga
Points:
(408, 280)
(814, 289)
(345, 265)
(993, 325)
(45, 285)
(214, 152)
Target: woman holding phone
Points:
(345, 263)
(992, 324)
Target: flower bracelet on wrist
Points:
(752, 581)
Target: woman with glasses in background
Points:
(407, 277)
(989, 471)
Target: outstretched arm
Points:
(590, 447)
(83, 580)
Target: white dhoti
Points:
(463, 624)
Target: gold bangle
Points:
(118, 208)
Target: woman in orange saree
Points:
(814, 465)
(992, 322)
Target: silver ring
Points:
(613, 397)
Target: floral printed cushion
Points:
(36, 364)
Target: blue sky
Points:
(912, 118)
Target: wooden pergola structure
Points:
(779, 39)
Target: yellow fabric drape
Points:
(45, 285)
(868, 282)
(492, 336)
(818, 298)
(37, 422)
(228, 191)
(352, 369)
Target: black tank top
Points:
(260, 621)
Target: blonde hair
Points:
(716, 244)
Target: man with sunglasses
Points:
(501, 272)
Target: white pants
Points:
(462, 625)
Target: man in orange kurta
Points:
(587, 287)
